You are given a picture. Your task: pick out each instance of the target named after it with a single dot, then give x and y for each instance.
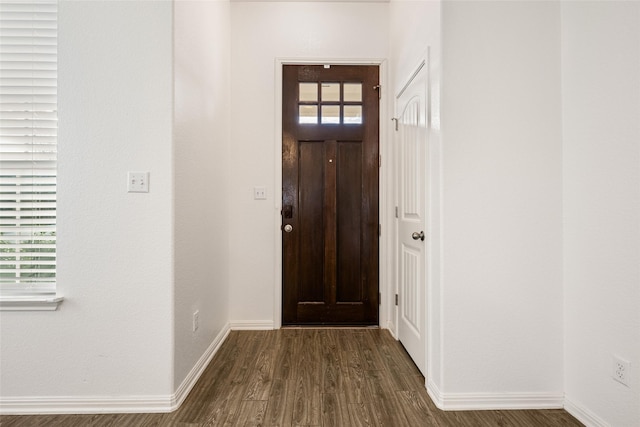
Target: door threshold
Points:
(330, 327)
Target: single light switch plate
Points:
(138, 182)
(259, 193)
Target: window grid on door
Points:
(330, 103)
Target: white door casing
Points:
(411, 144)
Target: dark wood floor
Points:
(309, 377)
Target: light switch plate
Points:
(259, 193)
(138, 182)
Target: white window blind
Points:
(28, 138)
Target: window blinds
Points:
(28, 137)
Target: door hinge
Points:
(380, 161)
(396, 299)
(379, 298)
(379, 89)
(395, 123)
(379, 230)
(396, 212)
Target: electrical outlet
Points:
(621, 370)
(196, 320)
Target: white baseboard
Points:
(192, 377)
(40, 405)
(251, 325)
(583, 415)
(493, 401)
(392, 329)
(434, 393)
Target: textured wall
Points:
(201, 164)
(601, 158)
(112, 336)
(502, 205)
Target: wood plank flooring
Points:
(308, 377)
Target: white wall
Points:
(262, 32)
(502, 188)
(601, 114)
(112, 336)
(414, 26)
(201, 165)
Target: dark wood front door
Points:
(330, 163)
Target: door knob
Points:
(418, 236)
(288, 228)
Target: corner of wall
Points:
(194, 375)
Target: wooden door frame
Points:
(386, 189)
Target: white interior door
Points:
(411, 137)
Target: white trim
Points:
(413, 76)
(386, 212)
(192, 377)
(30, 303)
(494, 401)
(385, 305)
(39, 405)
(392, 330)
(583, 415)
(252, 325)
(434, 393)
(277, 196)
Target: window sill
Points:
(30, 303)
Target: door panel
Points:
(411, 278)
(412, 172)
(311, 192)
(349, 222)
(330, 195)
